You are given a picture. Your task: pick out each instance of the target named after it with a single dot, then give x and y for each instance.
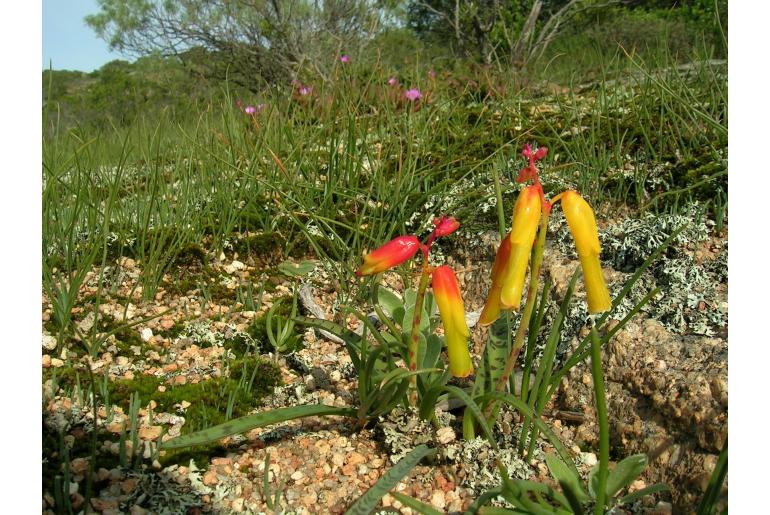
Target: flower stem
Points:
(534, 282)
(601, 415)
(414, 339)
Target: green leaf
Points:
(495, 355)
(625, 473)
(416, 505)
(367, 502)
(296, 269)
(563, 474)
(391, 304)
(652, 489)
(249, 422)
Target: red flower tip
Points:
(527, 150)
(393, 253)
(525, 174)
(445, 225)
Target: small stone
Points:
(338, 459)
(146, 334)
(57, 363)
(180, 380)
(335, 376)
(297, 475)
(237, 505)
(46, 361)
(445, 435)
(151, 433)
(129, 375)
(166, 323)
(76, 500)
(590, 459)
(310, 499)
(128, 486)
(210, 478)
(662, 508)
(49, 342)
(437, 500)
(79, 466)
(356, 458)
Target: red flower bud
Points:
(445, 226)
(393, 253)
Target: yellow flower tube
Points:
(452, 311)
(492, 307)
(582, 225)
(526, 216)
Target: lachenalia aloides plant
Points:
(396, 355)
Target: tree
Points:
(517, 32)
(243, 39)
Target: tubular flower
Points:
(582, 224)
(526, 216)
(452, 310)
(393, 253)
(445, 226)
(492, 307)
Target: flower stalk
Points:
(414, 337)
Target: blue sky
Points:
(68, 41)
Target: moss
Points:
(173, 332)
(266, 247)
(208, 399)
(191, 254)
(125, 337)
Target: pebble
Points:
(57, 363)
(49, 342)
(146, 334)
(445, 435)
(437, 500)
(210, 478)
(46, 361)
(590, 459)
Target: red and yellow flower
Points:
(393, 253)
(452, 311)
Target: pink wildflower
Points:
(392, 81)
(412, 94)
(344, 58)
(250, 110)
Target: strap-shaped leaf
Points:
(391, 304)
(367, 502)
(625, 473)
(652, 489)
(296, 269)
(563, 474)
(249, 422)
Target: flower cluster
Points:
(444, 283)
(512, 260)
